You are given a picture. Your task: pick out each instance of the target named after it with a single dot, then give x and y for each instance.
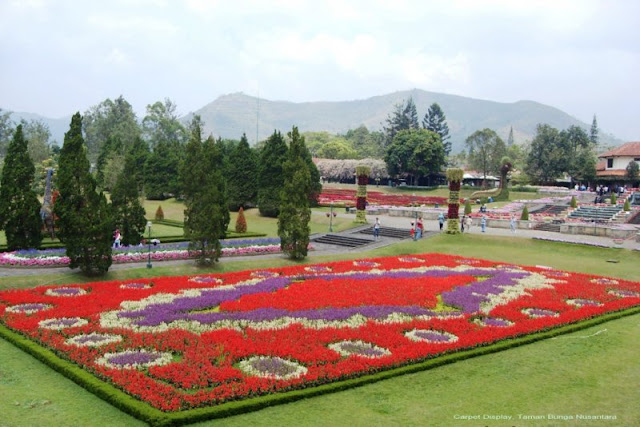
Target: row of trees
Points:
(86, 221)
(414, 150)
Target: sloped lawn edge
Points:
(156, 417)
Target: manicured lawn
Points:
(594, 371)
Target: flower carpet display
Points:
(180, 343)
(159, 252)
(348, 197)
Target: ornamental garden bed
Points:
(179, 349)
(160, 252)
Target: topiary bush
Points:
(467, 207)
(627, 206)
(574, 202)
(614, 199)
(241, 222)
(525, 214)
(159, 214)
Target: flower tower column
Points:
(362, 175)
(455, 177)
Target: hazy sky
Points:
(582, 56)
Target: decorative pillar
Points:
(362, 175)
(454, 176)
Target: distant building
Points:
(612, 165)
(475, 178)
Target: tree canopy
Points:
(19, 205)
(435, 121)
(206, 216)
(242, 176)
(403, 117)
(270, 176)
(418, 152)
(295, 214)
(485, 151)
(84, 217)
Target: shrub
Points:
(467, 207)
(159, 214)
(241, 222)
(614, 199)
(574, 202)
(627, 207)
(525, 214)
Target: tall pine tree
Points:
(270, 179)
(19, 205)
(593, 133)
(242, 176)
(436, 121)
(404, 117)
(84, 217)
(129, 215)
(293, 220)
(206, 216)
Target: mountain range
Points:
(231, 115)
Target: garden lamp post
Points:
(331, 215)
(149, 243)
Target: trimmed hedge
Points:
(156, 417)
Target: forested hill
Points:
(231, 115)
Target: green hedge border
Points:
(156, 417)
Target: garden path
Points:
(431, 228)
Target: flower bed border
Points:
(156, 417)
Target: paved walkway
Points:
(431, 228)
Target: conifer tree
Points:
(242, 176)
(270, 179)
(510, 139)
(593, 132)
(293, 220)
(19, 205)
(436, 121)
(129, 215)
(241, 222)
(159, 214)
(84, 217)
(206, 216)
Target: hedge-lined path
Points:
(319, 249)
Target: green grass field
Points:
(590, 372)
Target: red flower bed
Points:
(186, 342)
(348, 197)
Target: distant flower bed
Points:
(159, 252)
(348, 198)
(190, 342)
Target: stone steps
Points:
(338, 240)
(548, 227)
(392, 232)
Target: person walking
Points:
(469, 221)
(464, 218)
(512, 224)
(420, 228)
(483, 223)
(116, 238)
(441, 220)
(376, 229)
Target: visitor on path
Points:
(441, 220)
(512, 224)
(468, 224)
(483, 223)
(116, 239)
(464, 218)
(376, 229)
(420, 228)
